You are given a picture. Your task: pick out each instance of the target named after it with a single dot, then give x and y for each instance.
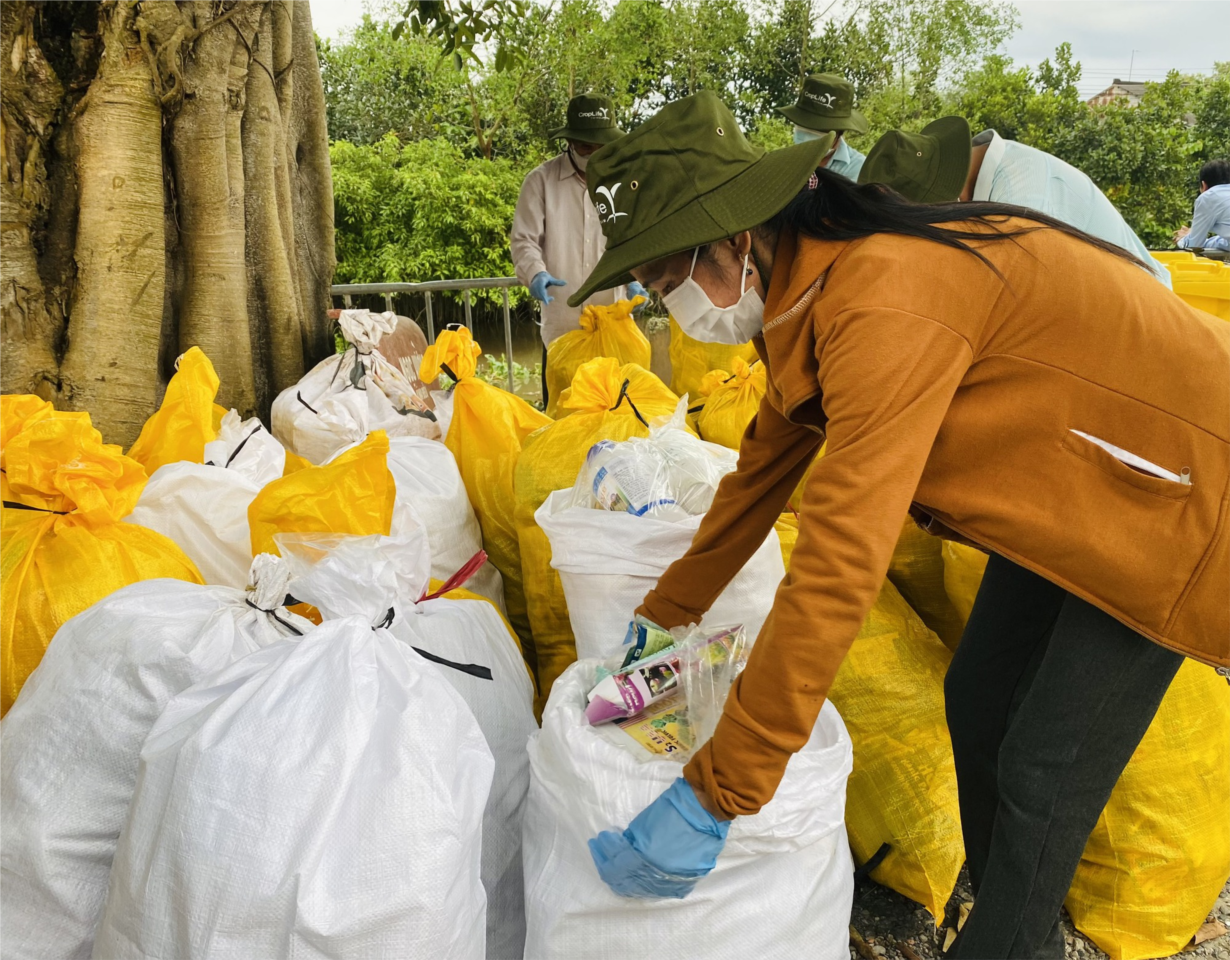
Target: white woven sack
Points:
(203, 507)
(317, 799)
(69, 747)
(471, 632)
(609, 561)
(430, 488)
(783, 886)
(335, 406)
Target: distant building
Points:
(1119, 89)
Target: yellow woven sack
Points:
(605, 402)
(917, 570)
(606, 331)
(903, 791)
(62, 547)
(352, 494)
(485, 436)
(963, 570)
(1160, 853)
(787, 527)
(732, 404)
(692, 359)
(185, 422)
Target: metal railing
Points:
(349, 290)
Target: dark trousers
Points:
(1047, 698)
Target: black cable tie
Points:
(445, 368)
(306, 404)
(387, 621)
(13, 505)
(623, 395)
(473, 669)
(341, 358)
(289, 626)
(877, 858)
(696, 409)
(235, 452)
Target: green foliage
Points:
(421, 211)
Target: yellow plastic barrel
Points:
(1203, 283)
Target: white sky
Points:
(1187, 35)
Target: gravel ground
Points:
(899, 929)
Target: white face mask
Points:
(701, 320)
(580, 161)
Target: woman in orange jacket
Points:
(1003, 377)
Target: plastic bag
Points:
(732, 404)
(670, 475)
(691, 359)
(321, 797)
(354, 494)
(347, 396)
(478, 656)
(1160, 854)
(203, 507)
(606, 330)
(70, 745)
(903, 791)
(64, 492)
(184, 423)
(607, 563)
(783, 885)
(963, 570)
(608, 402)
(917, 569)
(486, 428)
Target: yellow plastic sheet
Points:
(606, 331)
(485, 435)
(62, 548)
(917, 570)
(732, 404)
(787, 527)
(903, 791)
(692, 359)
(187, 419)
(605, 402)
(352, 494)
(963, 570)
(1160, 853)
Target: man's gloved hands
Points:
(538, 286)
(636, 290)
(670, 845)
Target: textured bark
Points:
(174, 191)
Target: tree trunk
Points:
(164, 183)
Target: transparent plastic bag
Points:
(669, 475)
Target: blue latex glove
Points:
(670, 845)
(636, 290)
(538, 286)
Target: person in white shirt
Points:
(1211, 214)
(556, 237)
(1002, 171)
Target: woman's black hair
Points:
(839, 209)
(1215, 172)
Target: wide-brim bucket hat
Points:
(589, 119)
(686, 177)
(826, 102)
(930, 166)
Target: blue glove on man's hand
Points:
(636, 290)
(670, 845)
(538, 286)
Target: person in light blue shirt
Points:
(1211, 214)
(937, 165)
(826, 105)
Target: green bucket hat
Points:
(826, 102)
(927, 167)
(591, 119)
(686, 177)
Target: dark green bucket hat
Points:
(591, 119)
(686, 177)
(826, 102)
(930, 166)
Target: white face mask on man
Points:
(701, 320)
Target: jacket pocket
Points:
(1132, 469)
